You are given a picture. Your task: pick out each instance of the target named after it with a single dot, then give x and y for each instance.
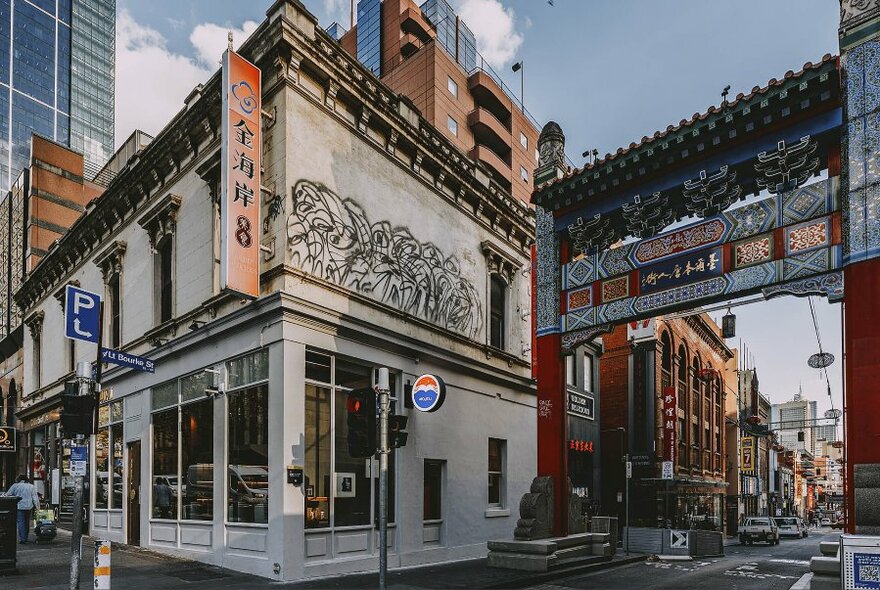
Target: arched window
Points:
(695, 373)
(497, 305)
(666, 361)
(682, 364)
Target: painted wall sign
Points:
(7, 439)
(581, 405)
(428, 393)
(642, 330)
(683, 270)
(240, 176)
(131, 361)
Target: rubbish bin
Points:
(8, 533)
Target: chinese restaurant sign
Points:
(240, 177)
(670, 419)
(681, 271)
(747, 454)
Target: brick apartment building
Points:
(428, 54)
(639, 363)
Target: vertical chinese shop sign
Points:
(240, 177)
(670, 420)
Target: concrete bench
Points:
(829, 548)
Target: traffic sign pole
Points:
(626, 538)
(384, 411)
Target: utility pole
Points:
(84, 381)
(384, 411)
(626, 539)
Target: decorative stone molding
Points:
(34, 322)
(110, 260)
(61, 293)
(855, 12)
(498, 262)
(161, 219)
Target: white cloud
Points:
(210, 40)
(151, 81)
(494, 26)
(339, 11)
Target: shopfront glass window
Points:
(352, 491)
(248, 455)
(102, 466)
(165, 481)
(248, 369)
(317, 455)
(197, 459)
(118, 444)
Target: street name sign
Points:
(82, 314)
(123, 359)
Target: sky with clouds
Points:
(609, 71)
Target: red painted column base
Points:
(861, 353)
(552, 426)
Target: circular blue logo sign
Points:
(428, 393)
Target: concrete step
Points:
(829, 548)
(581, 551)
(540, 547)
(822, 582)
(575, 562)
(573, 540)
(825, 565)
(529, 562)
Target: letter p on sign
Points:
(82, 314)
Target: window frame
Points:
(500, 474)
(588, 385)
(163, 282)
(498, 312)
(523, 174)
(441, 476)
(523, 140)
(335, 390)
(452, 125)
(452, 86)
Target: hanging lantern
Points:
(728, 325)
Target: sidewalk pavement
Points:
(48, 567)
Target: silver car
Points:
(790, 526)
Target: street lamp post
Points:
(520, 67)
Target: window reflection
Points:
(197, 459)
(165, 480)
(248, 458)
(102, 466)
(317, 456)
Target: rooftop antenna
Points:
(725, 92)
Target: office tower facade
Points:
(797, 430)
(428, 54)
(57, 69)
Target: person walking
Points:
(28, 501)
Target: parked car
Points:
(825, 522)
(758, 528)
(790, 526)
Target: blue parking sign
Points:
(82, 314)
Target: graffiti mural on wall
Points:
(331, 238)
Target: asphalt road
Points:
(743, 567)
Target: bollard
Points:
(102, 565)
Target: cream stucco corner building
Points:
(382, 246)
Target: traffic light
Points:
(361, 408)
(396, 435)
(77, 412)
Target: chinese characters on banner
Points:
(681, 271)
(240, 177)
(670, 420)
(747, 454)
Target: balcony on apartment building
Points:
(495, 162)
(487, 93)
(415, 32)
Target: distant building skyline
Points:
(57, 65)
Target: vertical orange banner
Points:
(240, 177)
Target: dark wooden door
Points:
(134, 493)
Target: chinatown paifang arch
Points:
(808, 237)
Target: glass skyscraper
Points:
(369, 39)
(452, 34)
(57, 63)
